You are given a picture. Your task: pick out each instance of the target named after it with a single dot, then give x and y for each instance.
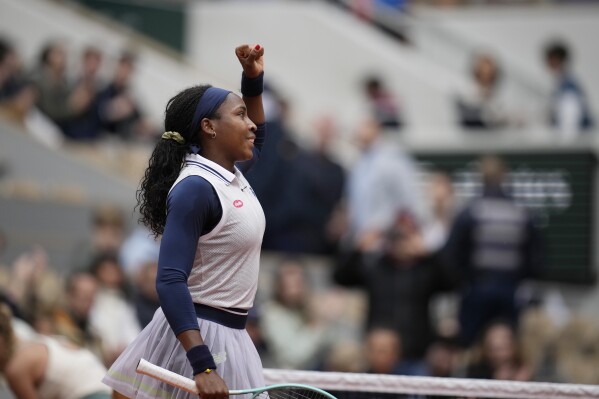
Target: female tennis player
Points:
(194, 193)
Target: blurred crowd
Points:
(365, 6)
(62, 101)
(58, 100)
(416, 282)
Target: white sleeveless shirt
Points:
(72, 373)
(227, 259)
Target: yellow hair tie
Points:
(173, 136)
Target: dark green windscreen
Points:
(161, 20)
(557, 187)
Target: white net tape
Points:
(376, 383)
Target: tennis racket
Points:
(278, 391)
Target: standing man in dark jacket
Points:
(494, 244)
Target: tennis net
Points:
(376, 386)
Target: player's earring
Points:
(213, 134)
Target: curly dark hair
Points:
(167, 158)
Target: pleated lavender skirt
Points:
(237, 360)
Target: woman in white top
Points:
(194, 193)
(42, 367)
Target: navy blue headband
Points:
(210, 101)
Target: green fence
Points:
(559, 187)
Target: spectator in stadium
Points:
(383, 104)
(50, 77)
(139, 258)
(294, 336)
(499, 357)
(254, 330)
(269, 177)
(494, 244)
(382, 187)
(577, 351)
(140, 247)
(18, 100)
(483, 106)
(400, 286)
(72, 320)
(345, 356)
(120, 113)
(569, 110)
(384, 353)
(32, 285)
(145, 297)
(44, 367)
(107, 234)
(84, 123)
(371, 10)
(112, 317)
(10, 67)
(18, 107)
(442, 358)
(441, 196)
(312, 190)
(538, 332)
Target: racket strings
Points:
(290, 393)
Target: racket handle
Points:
(166, 376)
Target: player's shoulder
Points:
(191, 189)
(193, 182)
(26, 361)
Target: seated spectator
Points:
(483, 107)
(120, 113)
(577, 351)
(112, 316)
(569, 110)
(72, 320)
(145, 296)
(107, 235)
(10, 67)
(296, 339)
(139, 258)
(32, 285)
(17, 102)
(257, 336)
(50, 77)
(443, 207)
(499, 356)
(84, 123)
(18, 108)
(346, 356)
(384, 353)
(442, 357)
(140, 247)
(45, 367)
(383, 104)
(538, 333)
